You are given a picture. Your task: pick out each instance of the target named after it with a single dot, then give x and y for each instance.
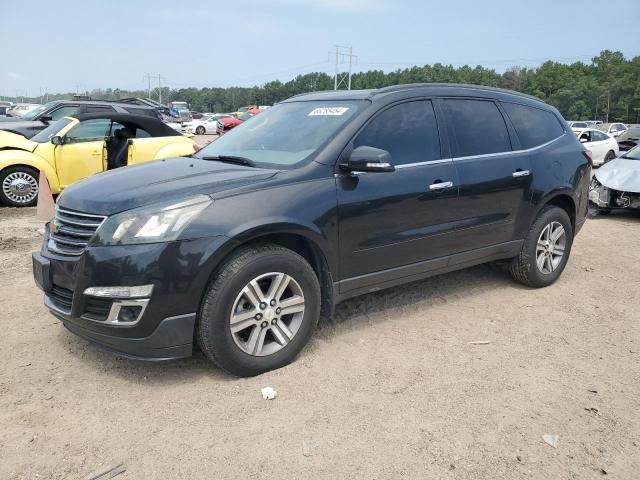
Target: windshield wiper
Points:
(231, 159)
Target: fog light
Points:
(129, 314)
(120, 292)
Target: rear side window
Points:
(533, 125)
(148, 112)
(99, 109)
(408, 131)
(477, 127)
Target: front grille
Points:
(97, 308)
(61, 297)
(70, 232)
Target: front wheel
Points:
(200, 130)
(545, 250)
(19, 186)
(260, 310)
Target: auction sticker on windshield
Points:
(328, 111)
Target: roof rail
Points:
(408, 86)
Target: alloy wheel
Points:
(267, 313)
(550, 247)
(20, 187)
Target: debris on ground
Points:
(106, 473)
(305, 449)
(592, 410)
(479, 342)
(268, 393)
(551, 439)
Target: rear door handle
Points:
(521, 173)
(440, 186)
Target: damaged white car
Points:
(616, 184)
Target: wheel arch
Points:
(564, 201)
(296, 238)
(35, 164)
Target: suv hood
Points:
(10, 140)
(620, 174)
(131, 187)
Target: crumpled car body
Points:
(616, 184)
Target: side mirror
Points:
(45, 118)
(57, 140)
(368, 159)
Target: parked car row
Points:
(32, 122)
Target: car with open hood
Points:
(76, 147)
(242, 246)
(616, 185)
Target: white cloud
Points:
(14, 75)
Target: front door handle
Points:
(521, 173)
(440, 185)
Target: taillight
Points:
(588, 155)
(196, 147)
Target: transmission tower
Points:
(343, 55)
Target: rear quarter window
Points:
(534, 126)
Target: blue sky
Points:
(56, 45)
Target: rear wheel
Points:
(545, 250)
(200, 130)
(260, 310)
(609, 156)
(19, 186)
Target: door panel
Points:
(491, 198)
(75, 161)
(393, 219)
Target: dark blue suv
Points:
(241, 247)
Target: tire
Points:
(609, 156)
(237, 353)
(200, 130)
(525, 268)
(19, 186)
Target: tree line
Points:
(606, 88)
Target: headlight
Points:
(160, 222)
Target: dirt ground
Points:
(389, 388)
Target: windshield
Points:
(34, 113)
(286, 134)
(51, 131)
(633, 154)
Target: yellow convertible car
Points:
(76, 147)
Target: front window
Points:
(43, 136)
(285, 135)
(34, 113)
(89, 131)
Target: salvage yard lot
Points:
(389, 388)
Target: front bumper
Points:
(179, 272)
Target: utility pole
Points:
(341, 55)
(148, 77)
